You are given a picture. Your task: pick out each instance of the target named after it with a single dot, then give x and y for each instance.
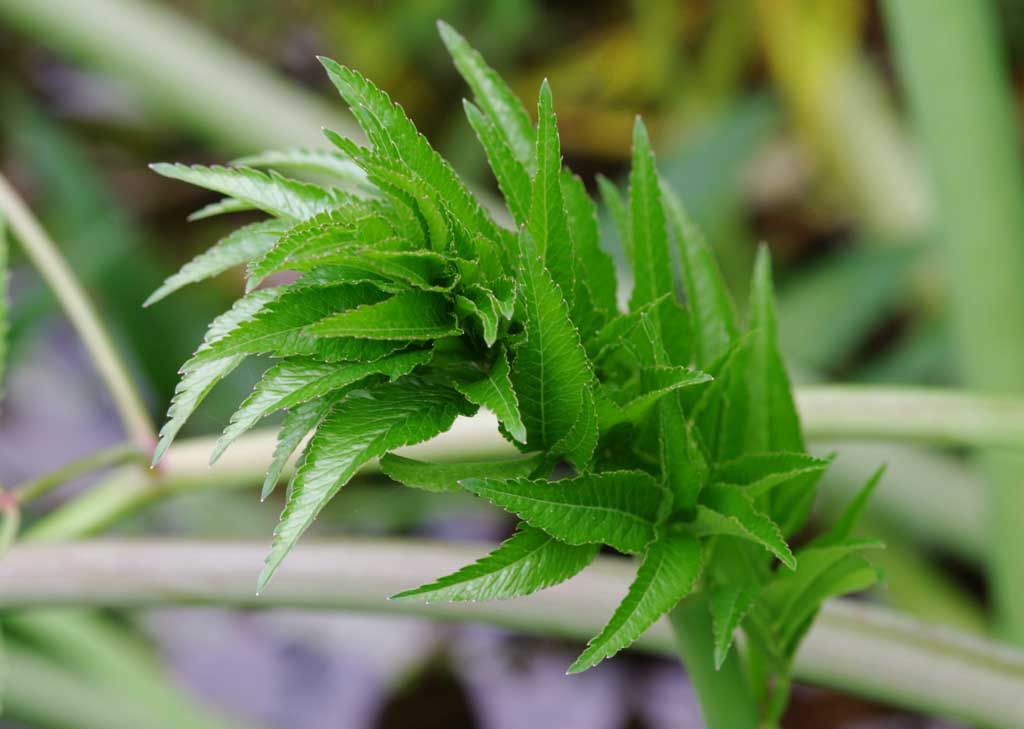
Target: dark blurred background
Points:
(777, 121)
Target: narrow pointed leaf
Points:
(728, 510)
(577, 446)
(357, 430)
(668, 573)
(550, 370)
(446, 476)
(413, 315)
(325, 162)
(199, 375)
(297, 424)
(597, 267)
(847, 522)
(512, 177)
(271, 193)
(528, 561)
(493, 95)
(652, 266)
(619, 508)
(495, 392)
(659, 381)
(760, 473)
(243, 245)
(729, 605)
(221, 207)
(712, 312)
(297, 380)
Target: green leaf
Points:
(243, 245)
(549, 222)
(652, 266)
(280, 326)
(271, 193)
(412, 315)
(392, 134)
(358, 429)
(729, 604)
(502, 107)
(528, 561)
(200, 374)
(297, 424)
(446, 476)
(657, 382)
(844, 526)
(512, 177)
(550, 370)
(668, 573)
(294, 381)
(772, 423)
(760, 473)
(596, 266)
(578, 445)
(619, 508)
(729, 510)
(616, 208)
(319, 161)
(221, 207)
(495, 392)
(711, 310)
(332, 231)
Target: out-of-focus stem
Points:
(950, 63)
(106, 458)
(46, 257)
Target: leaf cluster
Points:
(666, 430)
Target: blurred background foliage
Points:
(776, 120)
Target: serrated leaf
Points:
(496, 393)
(596, 266)
(279, 328)
(847, 522)
(549, 223)
(243, 245)
(550, 369)
(297, 424)
(502, 107)
(316, 160)
(728, 510)
(442, 477)
(619, 508)
(729, 604)
(221, 207)
(652, 266)
(332, 230)
(528, 561)
(657, 382)
(512, 177)
(271, 193)
(616, 208)
(200, 374)
(392, 133)
(711, 310)
(760, 473)
(482, 305)
(772, 423)
(297, 380)
(361, 427)
(668, 573)
(578, 445)
(408, 316)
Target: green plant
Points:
(666, 432)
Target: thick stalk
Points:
(46, 257)
(853, 647)
(724, 694)
(950, 61)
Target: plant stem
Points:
(852, 646)
(950, 61)
(724, 694)
(106, 458)
(46, 257)
(935, 416)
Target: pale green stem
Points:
(854, 647)
(46, 257)
(725, 698)
(951, 61)
(106, 458)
